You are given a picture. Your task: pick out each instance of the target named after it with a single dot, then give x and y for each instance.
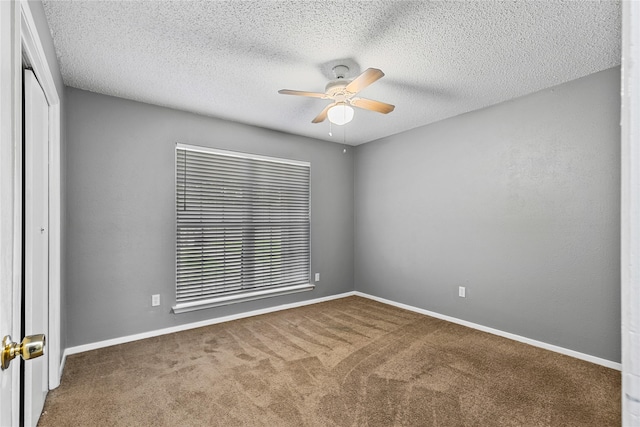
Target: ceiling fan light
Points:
(340, 114)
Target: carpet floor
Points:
(346, 362)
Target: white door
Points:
(36, 241)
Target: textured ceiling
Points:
(228, 59)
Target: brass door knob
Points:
(32, 346)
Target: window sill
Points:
(233, 299)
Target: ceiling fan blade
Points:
(369, 104)
(302, 93)
(323, 114)
(369, 76)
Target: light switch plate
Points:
(155, 300)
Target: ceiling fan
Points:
(342, 92)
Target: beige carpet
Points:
(347, 362)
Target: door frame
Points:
(19, 36)
(34, 53)
(630, 213)
(10, 195)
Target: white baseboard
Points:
(546, 346)
(115, 341)
(121, 340)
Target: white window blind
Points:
(242, 227)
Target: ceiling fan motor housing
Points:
(336, 89)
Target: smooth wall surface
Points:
(519, 203)
(121, 212)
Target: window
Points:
(242, 227)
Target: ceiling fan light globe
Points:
(340, 114)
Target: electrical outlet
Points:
(155, 300)
(462, 292)
(317, 277)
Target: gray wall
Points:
(121, 212)
(44, 33)
(518, 202)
